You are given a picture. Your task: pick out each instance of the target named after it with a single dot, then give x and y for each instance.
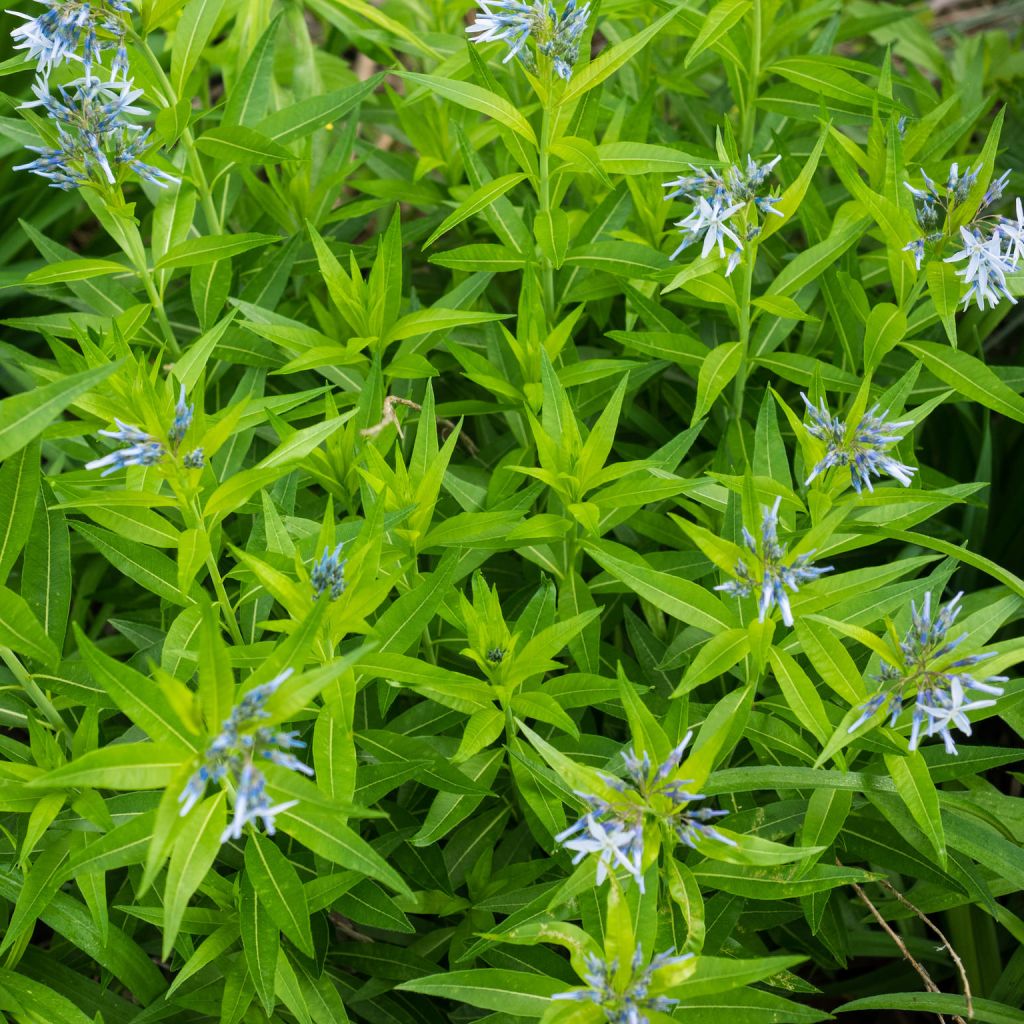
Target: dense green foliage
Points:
(388, 292)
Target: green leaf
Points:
(985, 1010)
(677, 597)
(261, 943)
(821, 77)
(194, 30)
(19, 492)
(593, 74)
(306, 116)
(152, 570)
(25, 416)
(473, 97)
(46, 570)
(721, 18)
(236, 144)
(775, 883)
(26, 999)
(885, 328)
(122, 766)
(720, 366)
(968, 376)
(476, 201)
(20, 630)
(426, 321)
(945, 289)
(322, 832)
(914, 784)
(278, 888)
(194, 252)
(714, 974)
(75, 270)
(139, 698)
(800, 694)
(517, 993)
(248, 98)
(192, 856)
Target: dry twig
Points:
(388, 419)
(907, 955)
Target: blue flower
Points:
(625, 1005)
(864, 448)
(614, 829)
(145, 453)
(92, 130)
(772, 575)
(987, 267)
(982, 238)
(557, 36)
(329, 573)
(921, 663)
(182, 419)
(53, 37)
(194, 459)
(233, 753)
(717, 198)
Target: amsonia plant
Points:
(509, 511)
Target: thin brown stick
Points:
(388, 418)
(907, 955)
(942, 938)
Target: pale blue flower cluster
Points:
(615, 830)
(983, 239)
(922, 664)
(863, 448)
(556, 36)
(145, 449)
(233, 755)
(91, 115)
(626, 1005)
(54, 36)
(328, 573)
(772, 575)
(718, 198)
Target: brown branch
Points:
(907, 955)
(388, 419)
(347, 927)
(945, 942)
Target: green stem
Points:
(193, 516)
(195, 166)
(31, 687)
(750, 100)
(547, 270)
(739, 384)
(161, 314)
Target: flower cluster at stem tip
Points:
(626, 1005)
(922, 664)
(614, 830)
(983, 238)
(328, 573)
(233, 754)
(90, 114)
(864, 448)
(772, 575)
(146, 450)
(556, 36)
(720, 198)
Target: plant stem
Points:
(547, 270)
(31, 687)
(195, 166)
(755, 73)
